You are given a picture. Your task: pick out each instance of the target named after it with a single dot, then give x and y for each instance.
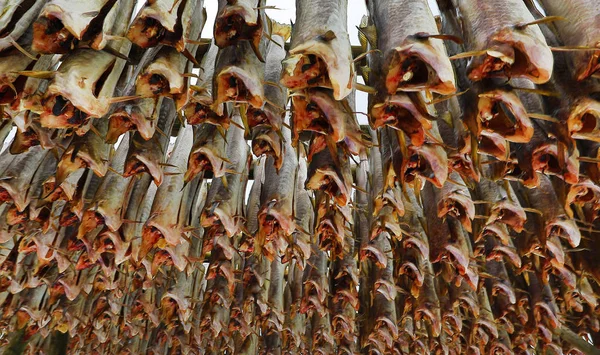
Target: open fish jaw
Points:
(401, 112)
(76, 82)
(324, 67)
(418, 66)
(239, 21)
(584, 119)
(62, 24)
(514, 54)
(236, 84)
(514, 125)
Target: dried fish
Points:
(61, 26)
(16, 18)
(165, 22)
(242, 20)
(199, 108)
(84, 83)
(149, 155)
(505, 41)
(165, 221)
(584, 32)
(413, 53)
(320, 53)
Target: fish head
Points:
(236, 84)
(50, 35)
(416, 66)
(583, 121)
(502, 112)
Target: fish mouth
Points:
(582, 193)
(118, 124)
(417, 66)
(510, 214)
(464, 166)
(204, 159)
(425, 161)
(50, 36)
(4, 195)
(303, 71)
(319, 112)
(24, 140)
(147, 32)
(458, 206)
(315, 63)
(9, 193)
(266, 141)
(326, 179)
(51, 192)
(494, 230)
(564, 228)
(161, 258)
(545, 159)
(138, 164)
(89, 221)
(128, 120)
(151, 236)
(493, 144)
(513, 54)
(9, 88)
(236, 23)
(275, 223)
(69, 164)
(404, 113)
(153, 84)
(61, 113)
(68, 217)
(216, 218)
(502, 112)
(331, 234)
(234, 84)
(592, 68)
(15, 217)
(263, 116)
(199, 111)
(584, 120)
(111, 243)
(308, 116)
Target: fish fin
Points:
(367, 34)
(574, 49)
(190, 57)
(328, 36)
(21, 49)
(447, 97)
(114, 100)
(543, 117)
(38, 74)
(362, 55)
(426, 36)
(365, 88)
(546, 19)
(365, 72)
(117, 54)
(285, 31)
(468, 54)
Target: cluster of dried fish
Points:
(162, 193)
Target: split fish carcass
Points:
(161, 192)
